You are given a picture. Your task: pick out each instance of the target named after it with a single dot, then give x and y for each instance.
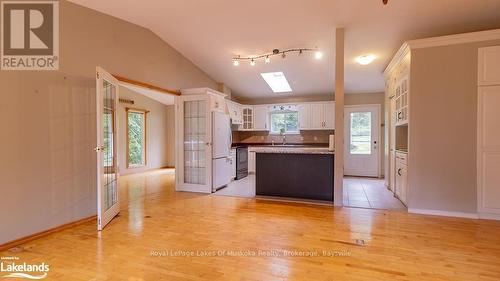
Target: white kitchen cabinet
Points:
(233, 163)
(247, 118)
(401, 188)
(489, 66)
(251, 161)
(261, 117)
(402, 96)
(235, 111)
(304, 116)
(317, 116)
(329, 116)
(322, 116)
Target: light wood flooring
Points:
(365, 244)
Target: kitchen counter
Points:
(291, 150)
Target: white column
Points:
(338, 193)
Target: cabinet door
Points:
(233, 163)
(304, 116)
(251, 162)
(260, 118)
(399, 180)
(247, 118)
(317, 116)
(404, 184)
(489, 66)
(329, 116)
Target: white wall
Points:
(47, 166)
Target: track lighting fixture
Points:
(267, 56)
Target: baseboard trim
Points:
(444, 213)
(37, 235)
(489, 216)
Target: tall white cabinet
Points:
(488, 133)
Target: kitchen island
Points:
(302, 173)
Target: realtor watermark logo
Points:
(30, 35)
(10, 267)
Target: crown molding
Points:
(462, 38)
(455, 39)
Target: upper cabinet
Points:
(235, 112)
(261, 117)
(304, 116)
(317, 116)
(247, 118)
(489, 68)
(401, 97)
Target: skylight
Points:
(277, 81)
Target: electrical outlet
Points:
(315, 138)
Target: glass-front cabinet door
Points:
(193, 143)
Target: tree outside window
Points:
(136, 140)
(285, 122)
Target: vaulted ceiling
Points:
(211, 32)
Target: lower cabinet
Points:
(233, 163)
(251, 161)
(401, 187)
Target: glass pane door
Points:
(361, 133)
(195, 162)
(107, 146)
(109, 159)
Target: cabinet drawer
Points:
(402, 158)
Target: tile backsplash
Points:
(310, 137)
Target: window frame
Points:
(283, 112)
(144, 153)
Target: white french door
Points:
(362, 142)
(107, 148)
(194, 144)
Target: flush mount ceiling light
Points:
(277, 82)
(267, 56)
(365, 59)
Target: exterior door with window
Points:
(108, 203)
(362, 147)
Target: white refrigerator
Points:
(221, 150)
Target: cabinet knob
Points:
(399, 172)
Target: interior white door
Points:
(108, 203)
(194, 144)
(361, 156)
(488, 150)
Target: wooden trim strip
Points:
(146, 85)
(41, 234)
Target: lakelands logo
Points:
(14, 269)
(30, 35)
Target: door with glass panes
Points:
(362, 144)
(194, 144)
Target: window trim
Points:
(271, 132)
(127, 152)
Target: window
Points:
(136, 137)
(285, 122)
(361, 133)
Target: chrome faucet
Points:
(284, 139)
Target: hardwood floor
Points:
(370, 244)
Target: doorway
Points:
(362, 141)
